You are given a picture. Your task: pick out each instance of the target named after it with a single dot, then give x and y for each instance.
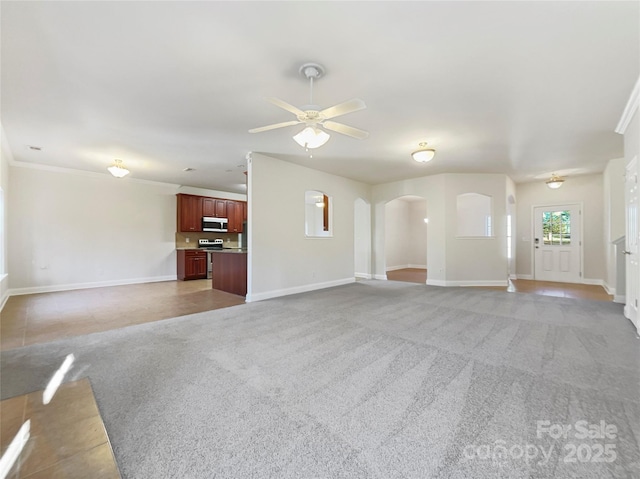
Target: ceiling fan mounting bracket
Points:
(312, 70)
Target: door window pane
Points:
(556, 228)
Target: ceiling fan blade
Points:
(346, 130)
(284, 105)
(274, 126)
(343, 108)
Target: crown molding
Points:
(630, 109)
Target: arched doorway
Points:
(406, 223)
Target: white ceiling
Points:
(522, 88)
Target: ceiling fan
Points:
(315, 119)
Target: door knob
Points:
(626, 252)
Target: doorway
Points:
(558, 243)
(406, 239)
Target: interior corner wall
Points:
(5, 156)
(511, 211)
(614, 218)
(281, 259)
(396, 235)
(476, 261)
(73, 230)
(585, 189)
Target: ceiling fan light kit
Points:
(316, 120)
(312, 137)
(554, 182)
(117, 169)
(423, 154)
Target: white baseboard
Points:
(4, 300)
(595, 282)
(436, 282)
(513, 276)
(363, 275)
(394, 268)
(609, 289)
(100, 284)
(619, 298)
(382, 277)
(405, 266)
(524, 276)
(276, 293)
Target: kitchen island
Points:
(229, 270)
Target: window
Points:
(556, 228)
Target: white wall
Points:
(614, 224)
(450, 260)
(5, 158)
(281, 259)
(362, 238)
(585, 189)
(405, 234)
(511, 210)
(71, 229)
(417, 244)
(396, 234)
(476, 261)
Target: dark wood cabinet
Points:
(191, 209)
(235, 214)
(189, 213)
(214, 207)
(192, 264)
(230, 272)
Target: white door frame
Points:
(580, 206)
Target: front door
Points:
(557, 243)
(631, 242)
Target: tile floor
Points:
(38, 318)
(67, 436)
(547, 288)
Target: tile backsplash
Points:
(190, 240)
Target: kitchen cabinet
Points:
(230, 272)
(235, 214)
(192, 264)
(214, 207)
(189, 213)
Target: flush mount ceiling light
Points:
(312, 137)
(423, 154)
(117, 169)
(554, 182)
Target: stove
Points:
(210, 244)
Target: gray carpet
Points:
(369, 380)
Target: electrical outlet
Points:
(187, 240)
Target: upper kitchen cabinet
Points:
(189, 213)
(235, 213)
(214, 207)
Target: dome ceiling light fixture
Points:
(117, 169)
(423, 154)
(554, 182)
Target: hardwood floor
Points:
(547, 288)
(39, 318)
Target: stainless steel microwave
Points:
(219, 225)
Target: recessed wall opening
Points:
(405, 250)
